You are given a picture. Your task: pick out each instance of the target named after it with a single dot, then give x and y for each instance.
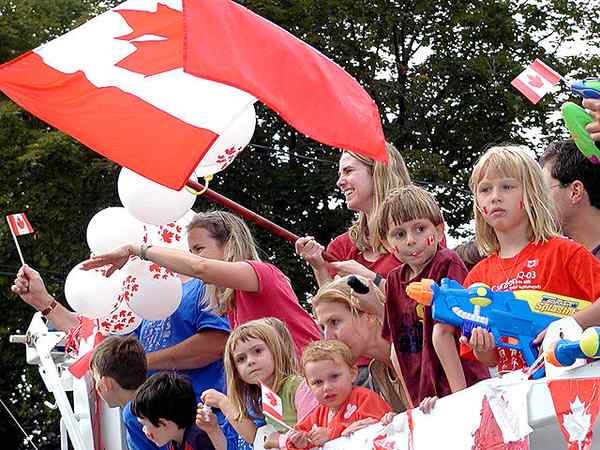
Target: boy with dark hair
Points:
(119, 367)
(165, 405)
(411, 226)
(573, 182)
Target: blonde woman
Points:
(344, 317)
(224, 255)
(517, 230)
(364, 183)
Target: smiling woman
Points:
(364, 183)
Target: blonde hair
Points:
(329, 350)
(511, 161)
(385, 178)
(240, 393)
(338, 291)
(405, 204)
(232, 233)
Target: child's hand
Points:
(318, 436)
(427, 404)
(594, 127)
(350, 267)
(388, 418)
(272, 440)
(373, 302)
(358, 425)
(213, 398)
(482, 341)
(205, 418)
(299, 439)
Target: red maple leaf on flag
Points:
(20, 223)
(489, 435)
(272, 399)
(535, 81)
(153, 56)
(381, 443)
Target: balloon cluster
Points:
(151, 214)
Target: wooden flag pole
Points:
(249, 215)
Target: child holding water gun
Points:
(517, 230)
(330, 371)
(257, 353)
(411, 226)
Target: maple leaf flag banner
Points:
(19, 225)
(117, 85)
(576, 402)
(230, 44)
(536, 81)
(272, 405)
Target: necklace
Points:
(518, 260)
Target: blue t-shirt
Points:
(136, 439)
(190, 318)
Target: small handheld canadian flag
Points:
(536, 81)
(272, 406)
(19, 225)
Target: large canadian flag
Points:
(117, 85)
(228, 43)
(576, 402)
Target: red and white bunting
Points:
(19, 225)
(536, 81)
(576, 402)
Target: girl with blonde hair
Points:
(517, 230)
(223, 255)
(365, 184)
(258, 352)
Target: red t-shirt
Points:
(274, 298)
(343, 249)
(409, 326)
(560, 266)
(362, 403)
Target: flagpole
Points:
(18, 247)
(250, 215)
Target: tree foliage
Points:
(439, 71)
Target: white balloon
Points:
(151, 202)
(151, 291)
(171, 235)
(92, 294)
(111, 228)
(121, 321)
(229, 144)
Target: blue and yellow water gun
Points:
(515, 318)
(565, 352)
(576, 118)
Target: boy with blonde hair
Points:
(330, 371)
(412, 226)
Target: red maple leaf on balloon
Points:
(153, 56)
(166, 235)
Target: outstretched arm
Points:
(234, 275)
(445, 347)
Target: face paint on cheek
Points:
(521, 205)
(485, 211)
(430, 240)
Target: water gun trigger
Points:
(421, 291)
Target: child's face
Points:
(414, 242)
(104, 388)
(254, 361)
(500, 200)
(165, 432)
(330, 381)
